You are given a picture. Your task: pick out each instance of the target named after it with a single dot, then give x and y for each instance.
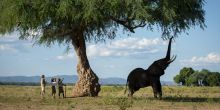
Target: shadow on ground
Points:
(191, 99)
(182, 99)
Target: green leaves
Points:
(183, 75)
(97, 19)
(189, 77)
(7, 17)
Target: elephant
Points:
(140, 78)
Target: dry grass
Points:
(111, 98)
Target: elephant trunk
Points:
(169, 49)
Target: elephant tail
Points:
(126, 87)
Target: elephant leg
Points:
(157, 89)
(130, 92)
(155, 92)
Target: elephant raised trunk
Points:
(169, 49)
(169, 52)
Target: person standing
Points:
(43, 85)
(60, 88)
(53, 86)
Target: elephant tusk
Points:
(172, 59)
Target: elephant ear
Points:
(157, 68)
(162, 63)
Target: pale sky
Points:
(116, 58)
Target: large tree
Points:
(77, 21)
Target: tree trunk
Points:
(87, 84)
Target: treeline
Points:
(20, 83)
(190, 77)
(28, 83)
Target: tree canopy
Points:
(188, 77)
(49, 21)
(183, 75)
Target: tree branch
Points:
(57, 32)
(142, 24)
(127, 23)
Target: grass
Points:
(111, 98)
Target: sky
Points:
(199, 49)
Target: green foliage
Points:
(192, 80)
(189, 77)
(214, 79)
(50, 21)
(177, 78)
(183, 75)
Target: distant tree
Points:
(189, 77)
(213, 79)
(77, 21)
(197, 79)
(193, 79)
(183, 75)
(177, 79)
(205, 73)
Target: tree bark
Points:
(87, 84)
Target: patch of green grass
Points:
(122, 102)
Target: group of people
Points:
(55, 82)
